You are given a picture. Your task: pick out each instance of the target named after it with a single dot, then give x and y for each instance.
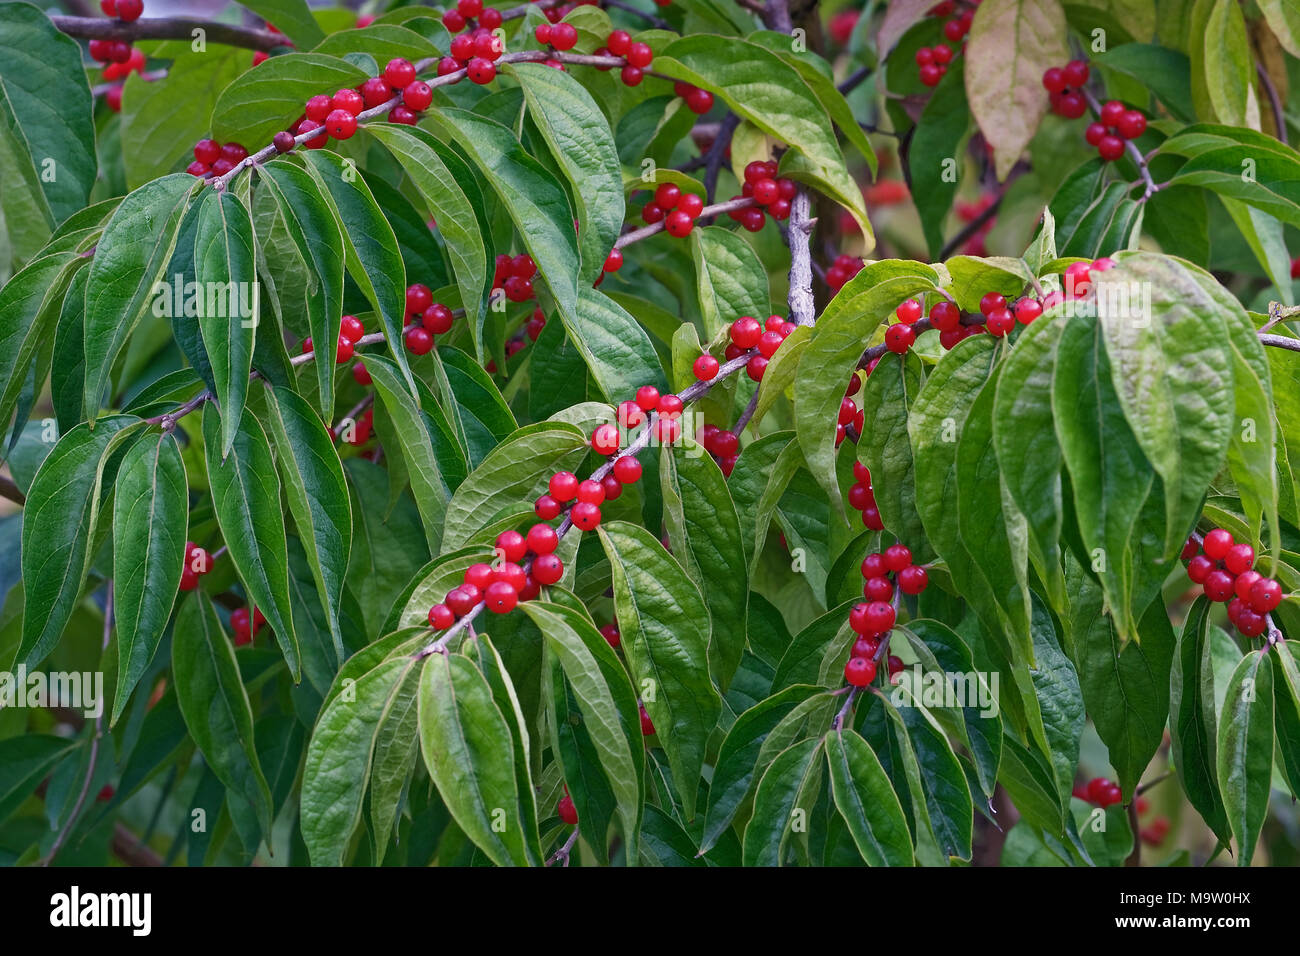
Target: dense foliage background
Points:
(907, 582)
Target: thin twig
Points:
(800, 299)
(169, 28)
(717, 154)
(969, 230)
(645, 232)
(562, 854)
(1274, 102)
(747, 414)
(854, 80)
(11, 491)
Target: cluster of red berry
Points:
(197, 563)
(513, 275)
(862, 497)
(637, 55)
(746, 334)
(336, 115)
(849, 413)
(873, 620)
(425, 319)
(1064, 85)
(475, 52)
(1225, 571)
(1078, 280)
(771, 194)
(842, 270)
(245, 625)
(723, 444)
(1116, 125)
(1099, 791)
(350, 332)
(119, 71)
(360, 431)
(675, 209)
(933, 61)
(473, 15)
(215, 159)
(117, 53)
(536, 322)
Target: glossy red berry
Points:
(897, 557)
(437, 318)
(899, 338)
(1265, 595)
(207, 151)
(564, 36)
(566, 811)
(1199, 568)
(479, 575)
(879, 617)
(944, 316)
(745, 332)
(605, 439)
(699, 101)
(1110, 148)
(399, 73)
(1000, 323)
(627, 470)
(500, 597)
(678, 224)
(1240, 557)
(1131, 125)
(1218, 585)
(1217, 544)
(463, 599)
(667, 404)
(417, 96)
(908, 311)
(441, 617)
(129, 10)
(1027, 310)
(611, 635)
(878, 589)
(547, 507)
(547, 569)
(418, 341)
(585, 516)
(1075, 73)
(1244, 582)
(1111, 111)
(705, 367)
(613, 261)
(619, 42)
(481, 71)
(341, 124)
(647, 725)
(591, 492)
(860, 671)
(639, 55)
(647, 396)
(912, 580)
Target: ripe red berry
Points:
(745, 332)
(441, 617)
(944, 316)
(547, 569)
(879, 617)
(860, 671)
(453, 21)
(462, 47)
(1250, 622)
(564, 36)
(1054, 80)
(547, 507)
(1217, 543)
(755, 368)
(639, 55)
(871, 518)
(351, 328)
(462, 599)
(647, 396)
(306, 126)
(418, 341)
(402, 116)
(469, 8)
(924, 56)
(667, 195)
(129, 10)
(207, 151)
(1265, 595)
(605, 439)
(1244, 582)
(1239, 558)
(899, 338)
(1075, 73)
(705, 367)
(563, 486)
(500, 597)
(1131, 125)
(399, 73)
(991, 302)
(437, 318)
(611, 635)
(766, 192)
(613, 261)
(627, 470)
(941, 53)
(341, 124)
(1027, 310)
(913, 580)
(481, 71)
(908, 311)
(897, 557)
(860, 497)
(417, 96)
(678, 224)
(490, 18)
(652, 213)
(1110, 148)
(619, 42)
(1111, 111)
(488, 46)
(1072, 105)
(931, 74)
(647, 725)
(1000, 323)
(1218, 585)
(1094, 133)
(585, 516)
(591, 492)
(1199, 568)
(699, 101)
(239, 623)
(517, 289)
(566, 811)
(878, 589)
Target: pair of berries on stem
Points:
(197, 563)
(1225, 570)
(245, 625)
(350, 332)
(476, 53)
(215, 159)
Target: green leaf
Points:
(1267, 241)
(1029, 457)
(246, 501)
(704, 529)
(129, 260)
(318, 241)
(1125, 685)
(452, 197)
(837, 343)
(886, 448)
(935, 153)
(341, 752)
(467, 749)
(1283, 17)
(25, 761)
(783, 789)
(58, 526)
(373, 259)
(731, 279)
(292, 17)
(215, 704)
(606, 703)
(613, 344)
(534, 199)
(1245, 750)
(765, 90)
(317, 494)
(1167, 72)
(756, 484)
(1011, 44)
(580, 139)
(1060, 700)
(947, 795)
(1172, 375)
(266, 100)
(665, 629)
(511, 476)
(866, 800)
(1193, 721)
(45, 100)
(150, 511)
(1287, 713)
(380, 41)
(225, 270)
(1223, 62)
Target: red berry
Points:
(1217, 543)
(1199, 568)
(441, 617)
(908, 311)
(417, 96)
(517, 289)
(199, 169)
(879, 617)
(667, 195)
(1054, 80)
(1244, 582)
(924, 56)
(418, 341)
(678, 224)
(341, 124)
(1000, 323)
(566, 811)
(1072, 105)
(469, 8)
(627, 470)
(766, 192)
(611, 635)
(1111, 111)
(639, 55)
(647, 396)
(481, 71)
(453, 21)
(860, 671)
(547, 569)
(1265, 595)
(944, 316)
(1131, 125)
(547, 507)
(705, 367)
(931, 74)
(614, 261)
(563, 486)
(500, 597)
(1239, 558)
(605, 439)
(1251, 622)
(399, 73)
(564, 36)
(871, 518)
(1218, 585)
(1110, 148)
(941, 53)
(899, 338)
(490, 18)
(897, 557)
(755, 368)
(991, 302)
(585, 516)
(913, 580)
(488, 46)
(647, 725)
(402, 116)
(699, 101)
(129, 10)
(591, 492)
(316, 142)
(1094, 133)
(878, 589)
(652, 213)
(437, 318)
(1075, 73)
(207, 151)
(745, 332)
(1027, 310)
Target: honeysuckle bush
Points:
(691, 434)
